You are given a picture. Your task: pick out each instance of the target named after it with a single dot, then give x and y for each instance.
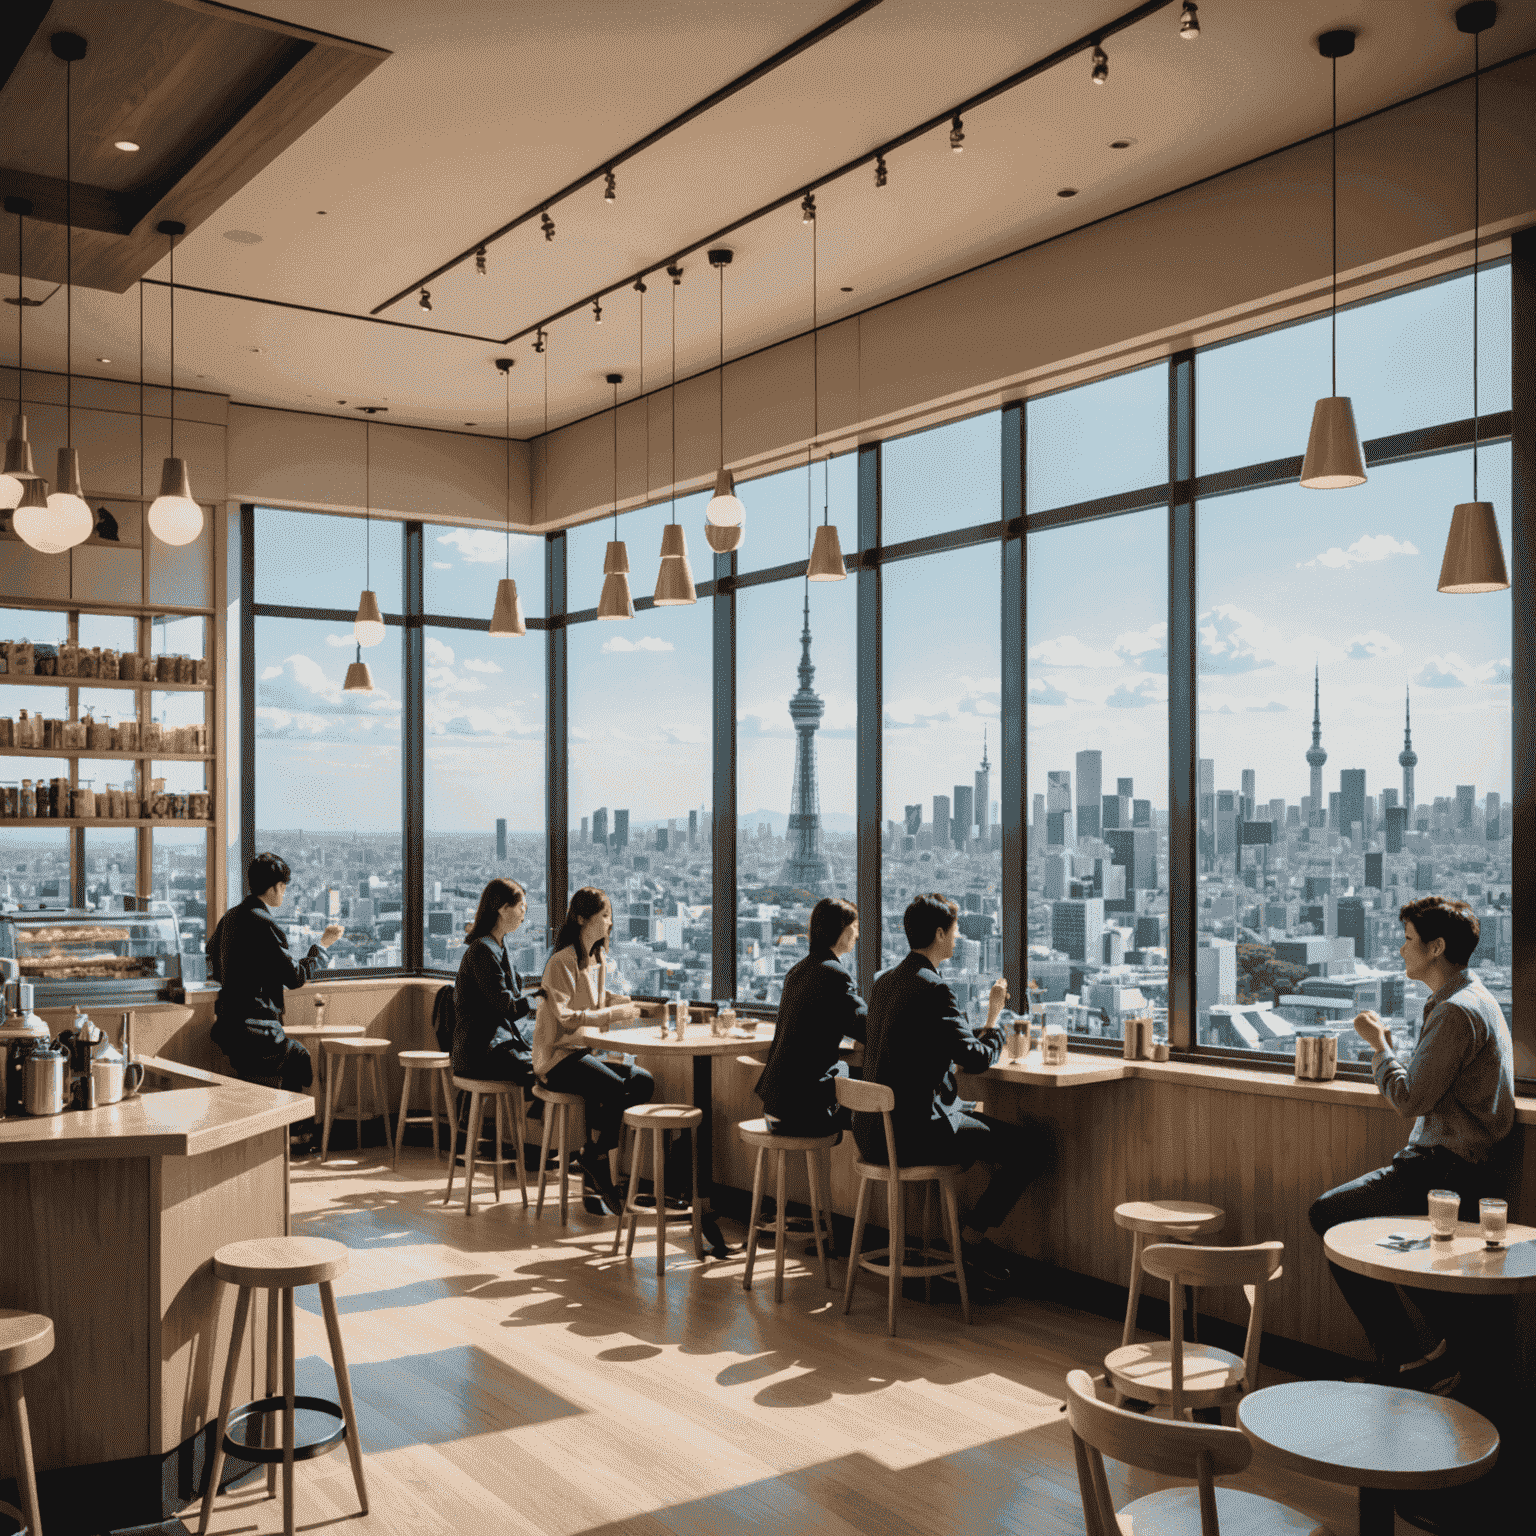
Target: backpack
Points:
(443, 1018)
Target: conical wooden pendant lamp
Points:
(359, 678)
(615, 603)
(507, 619)
(825, 562)
(725, 509)
(19, 470)
(368, 627)
(174, 517)
(1333, 459)
(1474, 553)
(674, 581)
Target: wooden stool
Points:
(499, 1092)
(25, 1338)
(554, 1104)
(755, 1133)
(1168, 1221)
(872, 1098)
(276, 1265)
(658, 1119)
(366, 1048)
(437, 1066)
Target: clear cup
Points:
(1444, 1207)
(1494, 1217)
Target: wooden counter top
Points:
(187, 1112)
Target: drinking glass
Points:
(1444, 1205)
(1494, 1216)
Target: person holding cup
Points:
(1459, 1090)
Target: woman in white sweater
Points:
(576, 997)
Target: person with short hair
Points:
(1459, 1090)
(917, 1038)
(248, 956)
(818, 1006)
(492, 1020)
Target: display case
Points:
(95, 958)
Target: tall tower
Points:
(1408, 758)
(806, 867)
(983, 791)
(1316, 757)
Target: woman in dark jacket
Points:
(492, 1024)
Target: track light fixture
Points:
(174, 517)
(639, 287)
(480, 261)
(547, 224)
(424, 301)
(1189, 21)
(880, 176)
(676, 274)
(808, 208)
(610, 187)
(957, 135)
(597, 312)
(538, 341)
(1100, 75)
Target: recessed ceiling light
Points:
(1121, 143)
(243, 236)
(847, 290)
(258, 349)
(103, 359)
(127, 146)
(321, 212)
(1067, 192)
(469, 423)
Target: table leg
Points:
(1377, 1516)
(703, 1098)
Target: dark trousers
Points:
(1010, 1150)
(509, 1061)
(260, 1050)
(1402, 1189)
(608, 1089)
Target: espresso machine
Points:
(21, 1032)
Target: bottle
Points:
(28, 800)
(319, 1011)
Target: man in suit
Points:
(818, 1006)
(917, 1038)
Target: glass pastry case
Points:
(94, 958)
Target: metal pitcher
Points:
(45, 1080)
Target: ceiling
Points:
(481, 110)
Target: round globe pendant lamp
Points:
(1333, 459)
(174, 517)
(615, 602)
(368, 627)
(674, 581)
(725, 509)
(1474, 553)
(19, 468)
(507, 618)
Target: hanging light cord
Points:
(141, 389)
(20, 305)
(368, 503)
(1333, 144)
(721, 270)
(506, 374)
(615, 461)
(546, 429)
(1477, 188)
(173, 346)
(69, 258)
(643, 396)
(810, 447)
(674, 401)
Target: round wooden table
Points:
(317, 1033)
(1462, 1263)
(1376, 1439)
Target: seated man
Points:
(1459, 1090)
(917, 1037)
(818, 1006)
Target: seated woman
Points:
(576, 996)
(819, 1005)
(492, 1029)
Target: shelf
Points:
(58, 754)
(8, 822)
(16, 680)
(109, 610)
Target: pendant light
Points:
(368, 627)
(1474, 554)
(674, 581)
(1333, 459)
(826, 555)
(19, 468)
(507, 619)
(174, 517)
(615, 603)
(359, 678)
(725, 509)
(66, 518)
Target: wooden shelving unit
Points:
(101, 821)
(60, 754)
(12, 680)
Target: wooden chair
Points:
(1169, 1221)
(439, 1070)
(658, 1119)
(25, 1338)
(556, 1105)
(1183, 1375)
(1173, 1449)
(892, 1262)
(277, 1265)
(506, 1099)
(363, 1050)
(755, 1133)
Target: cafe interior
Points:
(465, 441)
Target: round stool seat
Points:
(551, 1096)
(1145, 1371)
(475, 1084)
(25, 1338)
(915, 1173)
(755, 1133)
(362, 1045)
(664, 1117)
(1170, 1218)
(423, 1058)
(282, 1262)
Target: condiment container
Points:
(1015, 1029)
(1053, 1048)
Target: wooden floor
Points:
(511, 1376)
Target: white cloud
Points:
(1043, 691)
(438, 653)
(1233, 640)
(477, 546)
(1454, 671)
(268, 673)
(442, 565)
(341, 642)
(1366, 550)
(1069, 651)
(474, 664)
(1137, 643)
(1145, 692)
(1371, 645)
(620, 646)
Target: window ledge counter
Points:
(113, 1216)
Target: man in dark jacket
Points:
(817, 1008)
(917, 1038)
(248, 956)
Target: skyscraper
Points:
(621, 829)
(1494, 825)
(1316, 756)
(1250, 792)
(501, 839)
(1351, 801)
(964, 817)
(1077, 927)
(1090, 790)
(600, 826)
(806, 866)
(941, 819)
(983, 790)
(1058, 807)
(1408, 759)
(1466, 799)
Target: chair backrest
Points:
(1181, 1264)
(443, 1018)
(1167, 1446)
(870, 1099)
(755, 1065)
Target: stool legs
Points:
(817, 1208)
(267, 1426)
(860, 1214)
(927, 1228)
(565, 1162)
(694, 1204)
(780, 1236)
(1134, 1299)
(756, 1216)
(26, 1474)
(288, 1406)
(520, 1133)
(550, 1111)
(405, 1107)
(659, 1184)
(896, 1207)
(343, 1387)
(496, 1145)
(952, 1220)
(226, 1401)
(472, 1136)
(336, 1069)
